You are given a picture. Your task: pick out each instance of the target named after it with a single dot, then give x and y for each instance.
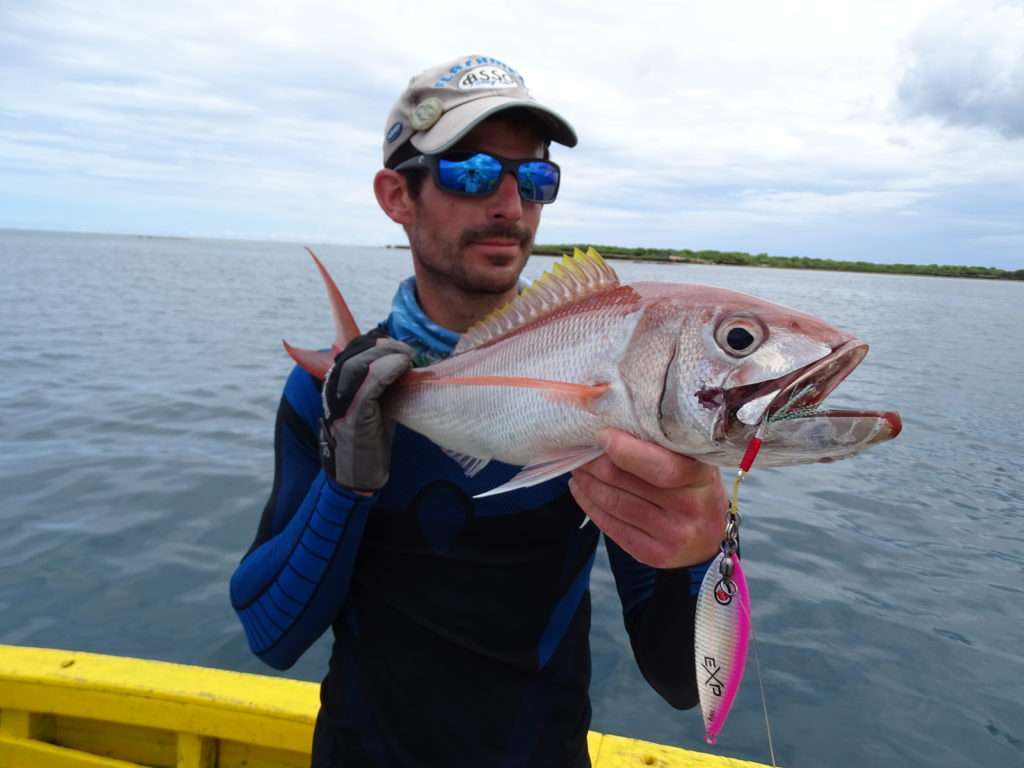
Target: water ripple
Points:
(140, 382)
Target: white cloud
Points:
(696, 119)
(804, 204)
(967, 67)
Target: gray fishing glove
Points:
(355, 436)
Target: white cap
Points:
(444, 103)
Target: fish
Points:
(696, 369)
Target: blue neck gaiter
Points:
(409, 323)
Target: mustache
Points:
(504, 231)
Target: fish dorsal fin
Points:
(571, 279)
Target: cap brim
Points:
(460, 120)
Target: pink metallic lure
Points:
(722, 633)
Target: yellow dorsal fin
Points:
(571, 279)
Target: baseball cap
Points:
(444, 103)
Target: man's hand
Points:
(664, 509)
(355, 437)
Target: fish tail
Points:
(318, 362)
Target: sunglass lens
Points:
(538, 181)
(477, 174)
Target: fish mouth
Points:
(795, 395)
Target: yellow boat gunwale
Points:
(64, 709)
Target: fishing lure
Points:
(723, 628)
(721, 639)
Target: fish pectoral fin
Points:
(547, 468)
(581, 395)
(471, 465)
(315, 362)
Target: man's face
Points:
(480, 245)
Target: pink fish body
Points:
(693, 368)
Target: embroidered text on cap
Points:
(486, 77)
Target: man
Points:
(461, 627)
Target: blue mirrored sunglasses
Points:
(478, 174)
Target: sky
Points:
(879, 131)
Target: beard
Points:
(444, 259)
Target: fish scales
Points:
(585, 343)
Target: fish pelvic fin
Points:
(471, 465)
(547, 468)
(573, 278)
(317, 362)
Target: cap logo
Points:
(426, 113)
(393, 132)
(486, 77)
(445, 80)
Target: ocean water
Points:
(139, 379)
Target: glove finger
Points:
(356, 347)
(367, 374)
(394, 345)
(364, 463)
(387, 369)
(355, 370)
(332, 383)
(380, 374)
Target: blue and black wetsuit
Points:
(461, 626)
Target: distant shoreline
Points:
(741, 259)
(663, 255)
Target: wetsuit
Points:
(461, 626)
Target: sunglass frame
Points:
(432, 163)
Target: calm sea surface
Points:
(139, 379)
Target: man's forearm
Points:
(288, 590)
(659, 607)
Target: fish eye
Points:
(740, 336)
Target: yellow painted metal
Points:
(619, 752)
(176, 697)
(29, 753)
(196, 751)
(68, 709)
(146, 746)
(24, 724)
(232, 753)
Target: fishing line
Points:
(745, 464)
(760, 685)
(764, 701)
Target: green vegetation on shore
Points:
(738, 258)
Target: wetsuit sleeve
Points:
(295, 577)
(659, 607)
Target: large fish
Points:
(693, 368)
